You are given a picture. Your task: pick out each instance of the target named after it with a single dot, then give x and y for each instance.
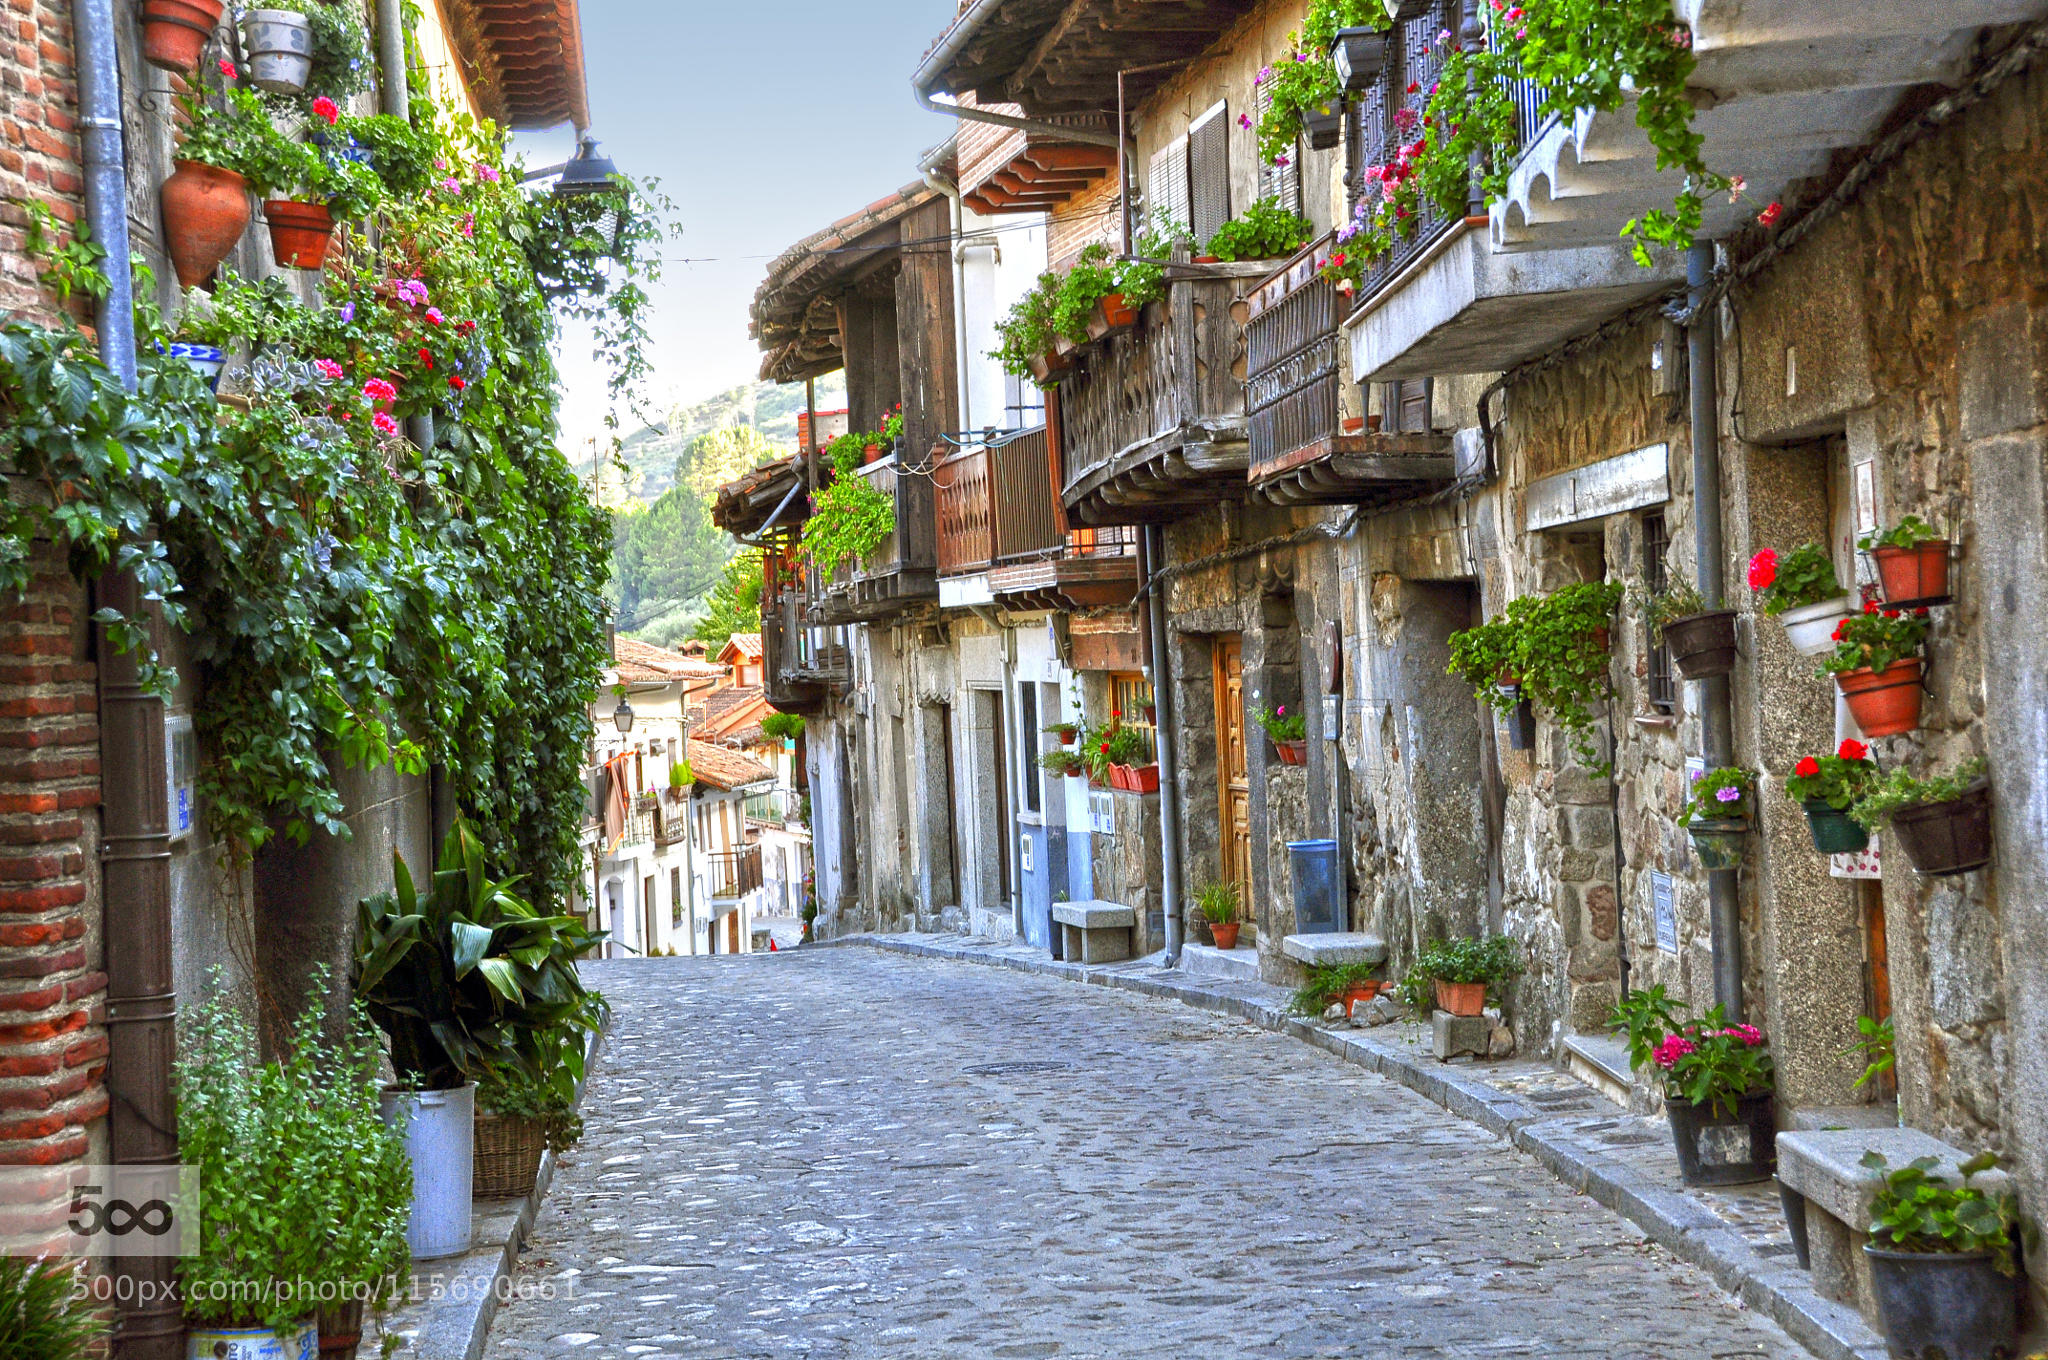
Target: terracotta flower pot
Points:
(1067, 738)
(175, 32)
(299, 233)
(1884, 703)
(1115, 312)
(1914, 576)
(1461, 998)
(871, 454)
(1359, 995)
(1292, 752)
(1144, 778)
(1225, 934)
(206, 210)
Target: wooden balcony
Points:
(803, 659)
(999, 518)
(735, 873)
(903, 569)
(1301, 452)
(1151, 420)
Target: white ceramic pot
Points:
(440, 1138)
(253, 1343)
(1811, 627)
(279, 43)
(205, 360)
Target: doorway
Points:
(1233, 781)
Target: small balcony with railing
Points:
(903, 568)
(1002, 536)
(803, 658)
(1151, 419)
(1304, 450)
(734, 873)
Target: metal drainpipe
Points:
(396, 96)
(1716, 720)
(1163, 703)
(135, 840)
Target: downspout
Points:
(396, 96)
(1152, 558)
(938, 183)
(1716, 718)
(135, 831)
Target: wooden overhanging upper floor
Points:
(521, 60)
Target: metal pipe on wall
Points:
(1716, 719)
(1163, 703)
(395, 97)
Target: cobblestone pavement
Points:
(845, 1153)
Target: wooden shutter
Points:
(1209, 173)
(1166, 181)
(1281, 183)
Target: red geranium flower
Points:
(1763, 569)
(455, 381)
(1769, 216)
(1836, 636)
(1807, 768)
(427, 358)
(1853, 749)
(326, 110)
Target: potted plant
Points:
(1553, 649)
(1943, 824)
(1126, 747)
(1462, 972)
(279, 45)
(335, 62)
(1801, 592)
(1716, 1077)
(206, 197)
(465, 980)
(1218, 904)
(1359, 55)
(1912, 563)
(304, 193)
(1942, 1263)
(680, 778)
(1717, 815)
(1065, 731)
(1876, 664)
(303, 1183)
(1264, 231)
(1702, 640)
(1345, 984)
(1827, 787)
(175, 32)
(1062, 762)
(1288, 732)
(520, 1116)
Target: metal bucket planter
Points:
(279, 43)
(253, 1343)
(1702, 645)
(1719, 1147)
(1950, 1304)
(1884, 703)
(1834, 832)
(1360, 54)
(1947, 838)
(1916, 576)
(1811, 627)
(440, 1133)
(1719, 842)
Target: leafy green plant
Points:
(303, 1182)
(1264, 231)
(850, 518)
(1552, 647)
(1680, 600)
(341, 49)
(1027, 332)
(1306, 78)
(1909, 532)
(1126, 745)
(1061, 762)
(1876, 639)
(1282, 726)
(1327, 983)
(1915, 1212)
(1719, 794)
(1091, 279)
(783, 726)
(1704, 1061)
(402, 155)
(1837, 780)
(1493, 961)
(234, 135)
(469, 978)
(1142, 278)
(1875, 1045)
(1901, 790)
(1219, 902)
(1804, 576)
(1065, 731)
(42, 1316)
(549, 1102)
(1486, 657)
(680, 775)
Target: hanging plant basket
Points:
(279, 44)
(299, 233)
(1460, 998)
(1914, 577)
(1953, 1303)
(1719, 842)
(1292, 752)
(1702, 645)
(175, 32)
(1884, 703)
(1811, 627)
(1720, 1147)
(1835, 832)
(1941, 839)
(1324, 126)
(206, 210)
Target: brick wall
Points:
(38, 138)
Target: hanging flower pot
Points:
(1702, 645)
(1718, 841)
(1719, 1146)
(1914, 576)
(1110, 314)
(205, 360)
(1292, 752)
(299, 233)
(175, 32)
(1884, 703)
(1834, 831)
(1952, 1303)
(206, 210)
(1460, 998)
(279, 43)
(1811, 628)
(1047, 367)
(1947, 838)
(871, 454)
(1402, 11)
(1360, 54)
(1324, 126)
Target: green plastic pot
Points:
(1834, 831)
(1719, 843)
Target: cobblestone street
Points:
(841, 1152)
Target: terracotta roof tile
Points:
(643, 661)
(724, 769)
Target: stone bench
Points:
(1094, 932)
(1822, 1171)
(1335, 950)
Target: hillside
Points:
(652, 454)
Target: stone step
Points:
(1600, 1061)
(1333, 950)
(1206, 960)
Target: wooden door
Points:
(1233, 785)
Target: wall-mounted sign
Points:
(1664, 910)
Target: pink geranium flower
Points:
(377, 389)
(434, 316)
(328, 369)
(385, 424)
(1671, 1050)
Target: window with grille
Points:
(1656, 546)
(1131, 695)
(1209, 173)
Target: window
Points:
(675, 897)
(1131, 695)
(1166, 181)
(1028, 740)
(1209, 173)
(1656, 546)
(1023, 403)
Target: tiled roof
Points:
(729, 712)
(725, 769)
(747, 645)
(643, 661)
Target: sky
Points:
(764, 123)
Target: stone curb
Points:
(1667, 1216)
(457, 1299)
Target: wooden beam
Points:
(1044, 46)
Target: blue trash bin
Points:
(1318, 887)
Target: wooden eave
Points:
(795, 316)
(522, 59)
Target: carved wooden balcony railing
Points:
(1303, 452)
(735, 873)
(903, 569)
(998, 517)
(1152, 419)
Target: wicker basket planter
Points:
(508, 1153)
